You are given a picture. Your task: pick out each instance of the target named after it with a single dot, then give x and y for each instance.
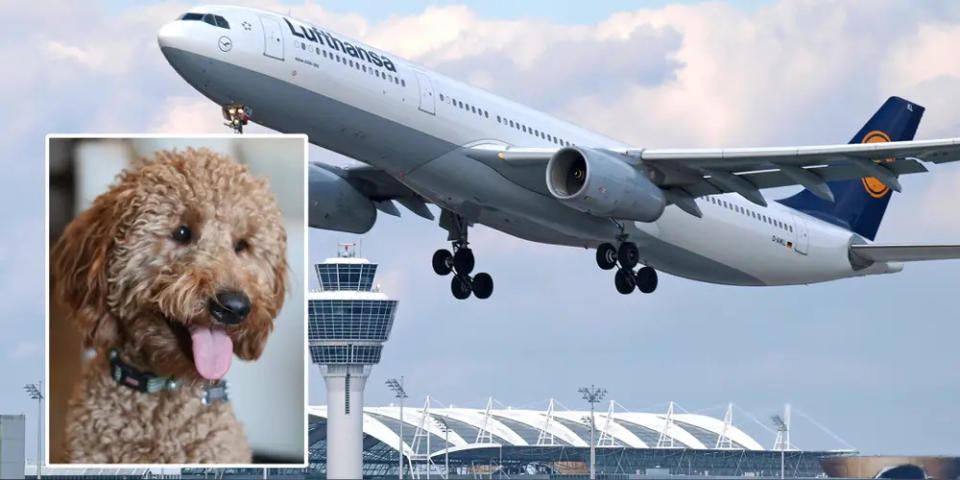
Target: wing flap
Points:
(905, 253)
(938, 151)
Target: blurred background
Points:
(268, 394)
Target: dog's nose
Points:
(229, 306)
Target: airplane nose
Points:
(168, 35)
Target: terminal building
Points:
(556, 442)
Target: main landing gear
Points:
(236, 116)
(625, 258)
(460, 262)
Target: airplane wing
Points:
(699, 172)
(905, 253)
(381, 188)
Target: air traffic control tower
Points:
(349, 319)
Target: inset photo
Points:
(175, 330)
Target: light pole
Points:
(442, 424)
(783, 440)
(399, 393)
(593, 395)
(33, 390)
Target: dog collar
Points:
(148, 382)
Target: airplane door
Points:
(802, 238)
(427, 100)
(272, 37)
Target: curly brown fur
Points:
(132, 286)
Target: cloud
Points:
(24, 349)
(187, 114)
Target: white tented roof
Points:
(520, 427)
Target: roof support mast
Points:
(666, 440)
(724, 441)
(484, 435)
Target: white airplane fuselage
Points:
(407, 120)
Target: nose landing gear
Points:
(461, 262)
(626, 257)
(236, 116)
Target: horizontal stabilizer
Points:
(905, 253)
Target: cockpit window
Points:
(215, 20)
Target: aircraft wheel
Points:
(463, 261)
(647, 279)
(460, 287)
(606, 256)
(482, 285)
(624, 281)
(628, 255)
(442, 262)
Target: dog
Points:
(177, 267)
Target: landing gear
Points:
(482, 285)
(460, 287)
(628, 255)
(625, 258)
(606, 256)
(236, 116)
(442, 262)
(463, 260)
(646, 279)
(624, 281)
(460, 262)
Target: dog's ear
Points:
(78, 266)
(280, 278)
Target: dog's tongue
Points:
(212, 351)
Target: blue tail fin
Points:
(860, 203)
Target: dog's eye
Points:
(182, 234)
(240, 245)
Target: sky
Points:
(874, 360)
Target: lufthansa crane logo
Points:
(875, 187)
(225, 44)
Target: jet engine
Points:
(602, 184)
(336, 205)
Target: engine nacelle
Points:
(599, 183)
(335, 205)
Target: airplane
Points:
(426, 138)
